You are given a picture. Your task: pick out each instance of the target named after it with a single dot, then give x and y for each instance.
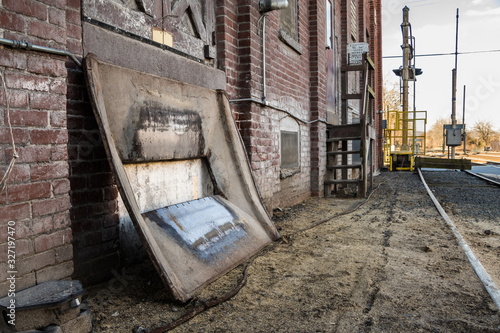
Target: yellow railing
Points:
(404, 136)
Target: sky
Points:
(433, 24)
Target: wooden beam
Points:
(442, 163)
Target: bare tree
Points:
(391, 97)
(391, 101)
(495, 143)
(435, 134)
(484, 133)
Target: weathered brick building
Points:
(281, 71)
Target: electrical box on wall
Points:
(453, 136)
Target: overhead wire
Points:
(441, 54)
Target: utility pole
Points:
(454, 92)
(407, 55)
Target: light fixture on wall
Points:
(269, 5)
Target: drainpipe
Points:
(277, 108)
(15, 44)
(264, 7)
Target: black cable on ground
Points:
(214, 301)
(204, 306)
(315, 224)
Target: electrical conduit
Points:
(15, 44)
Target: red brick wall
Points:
(239, 35)
(292, 79)
(376, 19)
(93, 193)
(317, 38)
(345, 30)
(61, 193)
(37, 196)
(374, 27)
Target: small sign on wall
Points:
(162, 37)
(355, 52)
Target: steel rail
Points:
(481, 272)
(491, 181)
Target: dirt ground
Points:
(392, 265)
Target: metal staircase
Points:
(344, 168)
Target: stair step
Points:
(344, 130)
(342, 181)
(352, 96)
(343, 139)
(340, 152)
(351, 166)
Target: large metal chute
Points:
(182, 172)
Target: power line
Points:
(442, 54)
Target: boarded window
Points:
(289, 26)
(289, 150)
(288, 19)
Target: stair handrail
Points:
(364, 123)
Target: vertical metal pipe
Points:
(406, 60)
(463, 124)
(414, 96)
(456, 41)
(454, 92)
(264, 99)
(415, 81)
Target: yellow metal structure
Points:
(404, 138)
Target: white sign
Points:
(355, 52)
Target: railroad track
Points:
(485, 178)
(471, 208)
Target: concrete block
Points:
(80, 324)
(49, 303)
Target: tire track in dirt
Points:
(390, 266)
(381, 274)
(428, 278)
(371, 276)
